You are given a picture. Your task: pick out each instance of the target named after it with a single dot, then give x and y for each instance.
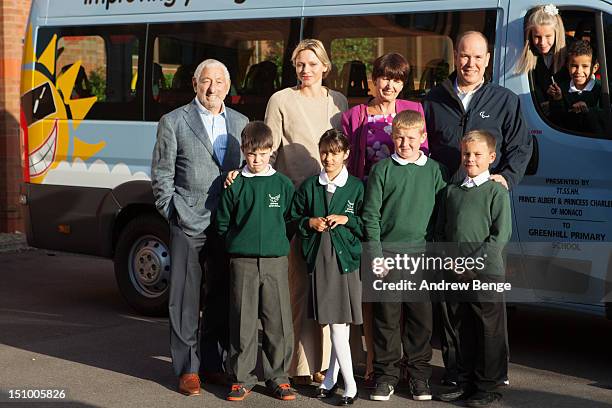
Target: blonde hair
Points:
(318, 48)
(480, 136)
(537, 17)
(408, 119)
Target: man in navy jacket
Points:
(466, 101)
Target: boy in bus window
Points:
(576, 103)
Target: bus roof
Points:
(51, 11)
(63, 11)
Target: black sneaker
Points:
(420, 390)
(448, 382)
(382, 392)
(454, 394)
(482, 399)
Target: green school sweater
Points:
(252, 214)
(478, 219)
(401, 201)
(310, 201)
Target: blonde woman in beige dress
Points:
(298, 116)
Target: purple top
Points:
(379, 144)
(356, 128)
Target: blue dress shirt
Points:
(216, 128)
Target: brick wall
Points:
(13, 18)
(89, 50)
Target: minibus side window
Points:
(108, 60)
(256, 52)
(594, 120)
(425, 39)
(91, 76)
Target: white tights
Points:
(340, 360)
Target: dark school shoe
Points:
(448, 382)
(284, 392)
(382, 392)
(348, 400)
(482, 399)
(420, 389)
(455, 394)
(322, 393)
(237, 393)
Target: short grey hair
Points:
(211, 63)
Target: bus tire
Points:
(142, 264)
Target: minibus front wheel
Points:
(142, 264)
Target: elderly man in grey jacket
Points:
(196, 145)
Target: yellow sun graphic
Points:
(44, 117)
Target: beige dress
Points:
(297, 123)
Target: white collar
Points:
(247, 173)
(589, 86)
(419, 162)
(204, 111)
(339, 181)
(460, 92)
(476, 181)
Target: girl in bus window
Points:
(543, 55)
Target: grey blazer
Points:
(186, 177)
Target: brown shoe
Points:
(318, 377)
(189, 384)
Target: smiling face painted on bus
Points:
(45, 107)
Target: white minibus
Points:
(98, 74)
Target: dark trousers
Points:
(187, 252)
(259, 287)
(444, 318)
(214, 342)
(389, 339)
(482, 357)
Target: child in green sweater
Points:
(328, 207)
(399, 208)
(251, 217)
(475, 217)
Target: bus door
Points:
(563, 207)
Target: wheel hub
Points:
(150, 266)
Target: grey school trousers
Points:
(189, 256)
(259, 288)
